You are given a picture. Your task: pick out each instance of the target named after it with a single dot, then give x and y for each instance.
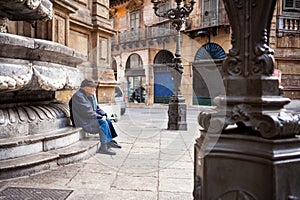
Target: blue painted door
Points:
(163, 86)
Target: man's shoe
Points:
(114, 144)
(105, 150)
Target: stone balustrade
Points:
(288, 25)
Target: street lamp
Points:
(178, 15)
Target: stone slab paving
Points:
(154, 164)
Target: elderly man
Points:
(86, 113)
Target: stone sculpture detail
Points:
(18, 117)
(32, 4)
(24, 10)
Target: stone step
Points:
(78, 151)
(26, 145)
(33, 163)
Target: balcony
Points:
(142, 36)
(208, 19)
(288, 25)
(130, 35)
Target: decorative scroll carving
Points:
(248, 38)
(240, 113)
(232, 64)
(268, 124)
(16, 81)
(49, 81)
(213, 122)
(33, 113)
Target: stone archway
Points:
(136, 78)
(163, 81)
(210, 55)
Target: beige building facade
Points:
(285, 40)
(144, 44)
(152, 40)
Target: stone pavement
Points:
(154, 163)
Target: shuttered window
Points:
(210, 12)
(291, 5)
(134, 20)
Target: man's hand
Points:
(99, 116)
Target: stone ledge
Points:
(22, 146)
(34, 163)
(14, 46)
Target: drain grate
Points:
(18, 193)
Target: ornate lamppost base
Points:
(177, 114)
(245, 166)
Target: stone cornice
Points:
(66, 5)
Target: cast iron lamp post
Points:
(259, 158)
(177, 106)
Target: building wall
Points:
(189, 46)
(286, 46)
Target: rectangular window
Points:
(291, 5)
(134, 20)
(210, 12)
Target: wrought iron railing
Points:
(130, 35)
(159, 31)
(288, 25)
(148, 33)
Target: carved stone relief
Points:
(25, 10)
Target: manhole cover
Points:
(17, 193)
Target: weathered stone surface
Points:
(14, 46)
(26, 61)
(32, 119)
(27, 10)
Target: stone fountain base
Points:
(31, 71)
(35, 133)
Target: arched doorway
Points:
(209, 55)
(135, 74)
(163, 81)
